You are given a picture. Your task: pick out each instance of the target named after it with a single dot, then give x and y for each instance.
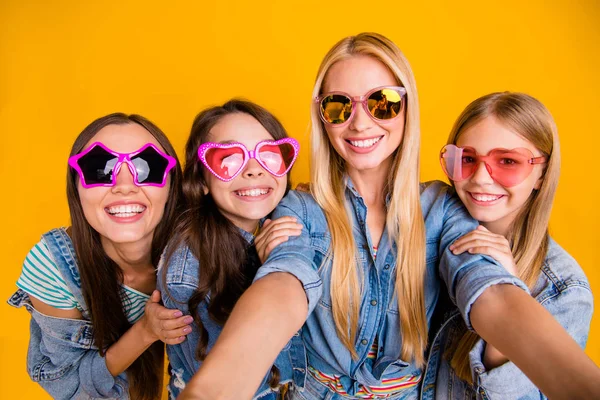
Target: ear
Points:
(205, 189)
(538, 183)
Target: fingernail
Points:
(187, 329)
(454, 251)
(451, 247)
(177, 314)
(188, 320)
(182, 338)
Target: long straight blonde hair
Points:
(528, 234)
(404, 220)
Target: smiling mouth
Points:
(364, 143)
(252, 192)
(125, 211)
(486, 197)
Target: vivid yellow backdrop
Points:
(66, 63)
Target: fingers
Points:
(175, 336)
(478, 238)
(506, 260)
(281, 226)
(303, 187)
(176, 323)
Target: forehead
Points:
(239, 127)
(357, 75)
(125, 138)
(489, 133)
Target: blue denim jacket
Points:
(62, 357)
(562, 289)
(182, 281)
(467, 275)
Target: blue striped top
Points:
(41, 279)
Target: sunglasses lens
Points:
(224, 162)
(451, 158)
(150, 166)
(385, 103)
(97, 166)
(277, 159)
(336, 108)
(510, 167)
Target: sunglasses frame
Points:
(122, 158)
(248, 154)
(363, 100)
(483, 159)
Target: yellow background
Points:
(66, 63)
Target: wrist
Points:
(143, 331)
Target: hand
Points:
(303, 187)
(482, 241)
(274, 233)
(161, 323)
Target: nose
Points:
(124, 183)
(253, 169)
(360, 120)
(482, 174)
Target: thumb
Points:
(482, 228)
(155, 297)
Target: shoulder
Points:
(182, 267)
(562, 270)
(436, 193)
(298, 204)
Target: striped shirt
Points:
(41, 279)
(388, 387)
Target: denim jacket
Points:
(62, 356)
(466, 275)
(181, 282)
(562, 289)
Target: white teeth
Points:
(485, 197)
(125, 211)
(252, 192)
(365, 143)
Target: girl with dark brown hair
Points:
(237, 161)
(90, 289)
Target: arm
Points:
(572, 309)
(499, 308)
(73, 367)
(262, 322)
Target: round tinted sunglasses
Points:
(99, 166)
(381, 104)
(507, 167)
(227, 160)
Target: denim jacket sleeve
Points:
(466, 275)
(573, 309)
(296, 255)
(63, 359)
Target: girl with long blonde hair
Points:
(364, 275)
(503, 158)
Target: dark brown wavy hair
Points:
(227, 263)
(101, 277)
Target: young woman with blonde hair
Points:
(364, 275)
(503, 159)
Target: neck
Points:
(371, 184)
(130, 257)
(500, 226)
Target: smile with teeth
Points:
(124, 211)
(252, 192)
(486, 197)
(364, 143)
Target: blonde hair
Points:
(528, 234)
(405, 224)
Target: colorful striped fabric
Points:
(41, 279)
(388, 387)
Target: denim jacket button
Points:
(364, 342)
(373, 302)
(387, 266)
